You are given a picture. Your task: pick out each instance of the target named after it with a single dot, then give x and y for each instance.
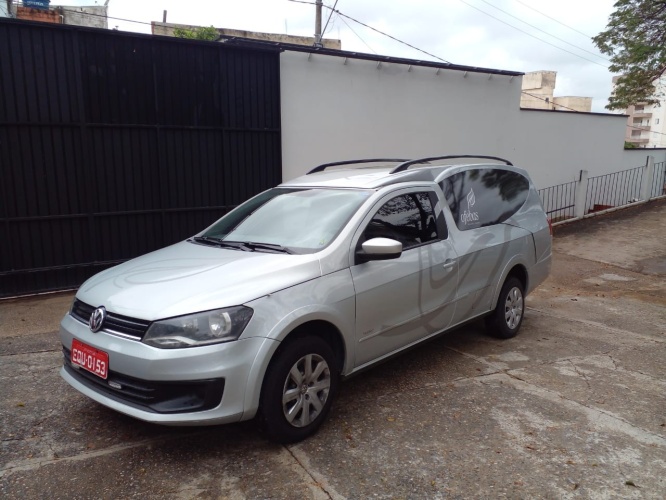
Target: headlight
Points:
(210, 327)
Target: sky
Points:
(467, 32)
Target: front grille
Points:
(114, 323)
(156, 397)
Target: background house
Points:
(94, 16)
(538, 93)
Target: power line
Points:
(529, 34)
(100, 15)
(552, 18)
(329, 18)
(357, 35)
(550, 102)
(378, 31)
(545, 32)
(392, 37)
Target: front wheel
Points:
(298, 389)
(504, 322)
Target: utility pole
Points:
(318, 34)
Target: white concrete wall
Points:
(4, 8)
(636, 157)
(555, 146)
(334, 111)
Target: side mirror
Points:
(380, 249)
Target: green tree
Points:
(629, 145)
(201, 33)
(635, 40)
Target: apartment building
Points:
(646, 123)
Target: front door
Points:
(403, 300)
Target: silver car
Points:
(262, 313)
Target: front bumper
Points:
(149, 395)
(192, 386)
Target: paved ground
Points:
(575, 406)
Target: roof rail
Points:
(409, 163)
(324, 166)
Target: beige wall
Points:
(539, 89)
(543, 81)
(573, 103)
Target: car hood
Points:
(187, 277)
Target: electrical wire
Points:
(529, 34)
(545, 32)
(550, 102)
(393, 38)
(330, 14)
(552, 18)
(357, 35)
(375, 29)
(100, 15)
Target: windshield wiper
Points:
(247, 246)
(206, 239)
(267, 246)
(217, 242)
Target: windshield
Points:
(300, 220)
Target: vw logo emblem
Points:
(97, 319)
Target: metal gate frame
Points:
(114, 144)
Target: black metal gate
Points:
(114, 144)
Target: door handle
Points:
(448, 264)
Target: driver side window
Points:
(407, 218)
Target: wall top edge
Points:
(559, 111)
(289, 47)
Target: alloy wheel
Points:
(306, 390)
(513, 307)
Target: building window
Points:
(635, 133)
(656, 121)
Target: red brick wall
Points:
(44, 16)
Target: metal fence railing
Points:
(613, 190)
(559, 202)
(658, 180)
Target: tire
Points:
(290, 413)
(504, 322)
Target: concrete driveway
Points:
(575, 406)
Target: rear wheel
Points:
(298, 390)
(504, 322)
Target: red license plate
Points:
(91, 359)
